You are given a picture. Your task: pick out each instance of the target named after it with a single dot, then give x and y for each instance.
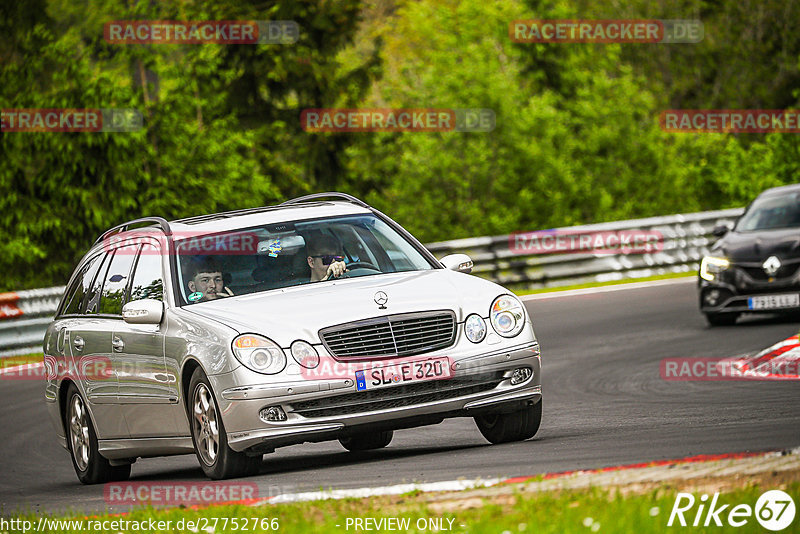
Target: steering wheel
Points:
(362, 265)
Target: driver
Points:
(206, 279)
(325, 257)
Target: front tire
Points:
(508, 427)
(217, 460)
(367, 441)
(90, 467)
(722, 319)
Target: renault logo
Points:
(772, 265)
(381, 299)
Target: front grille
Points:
(391, 336)
(397, 397)
(785, 271)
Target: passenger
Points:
(325, 258)
(207, 280)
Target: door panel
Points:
(145, 394)
(89, 344)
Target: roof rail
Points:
(329, 194)
(160, 221)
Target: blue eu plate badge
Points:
(361, 382)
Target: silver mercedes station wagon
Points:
(229, 335)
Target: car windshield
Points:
(772, 212)
(274, 256)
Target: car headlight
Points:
(475, 328)
(507, 316)
(259, 354)
(711, 266)
(305, 354)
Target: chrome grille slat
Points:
(365, 346)
(435, 335)
(344, 334)
(392, 335)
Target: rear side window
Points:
(116, 281)
(147, 280)
(81, 286)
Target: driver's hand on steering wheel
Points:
(335, 270)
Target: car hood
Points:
(299, 312)
(742, 247)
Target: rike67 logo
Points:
(774, 510)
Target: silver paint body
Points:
(139, 410)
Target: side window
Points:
(147, 280)
(116, 280)
(92, 299)
(81, 286)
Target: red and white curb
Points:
(780, 361)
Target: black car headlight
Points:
(711, 266)
(259, 354)
(507, 316)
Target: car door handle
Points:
(78, 343)
(117, 344)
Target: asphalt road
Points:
(605, 404)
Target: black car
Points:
(753, 267)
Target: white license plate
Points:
(403, 373)
(769, 302)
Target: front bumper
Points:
(329, 409)
(723, 297)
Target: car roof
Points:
(296, 210)
(781, 190)
(227, 221)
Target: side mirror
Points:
(457, 262)
(144, 311)
(721, 229)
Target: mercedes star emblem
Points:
(381, 299)
(772, 265)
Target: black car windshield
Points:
(771, 212)
(274, 256)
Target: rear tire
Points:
(367, 441)
(90, 467)
(217, 460)
(722, 319)
(508, 427)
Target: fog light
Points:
(712, 297)
(520, 375)
(272, 413)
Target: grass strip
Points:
(515, 511)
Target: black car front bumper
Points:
(740, 288)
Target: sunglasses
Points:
(327, 259)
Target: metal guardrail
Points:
(684, 240)
(24, 315)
